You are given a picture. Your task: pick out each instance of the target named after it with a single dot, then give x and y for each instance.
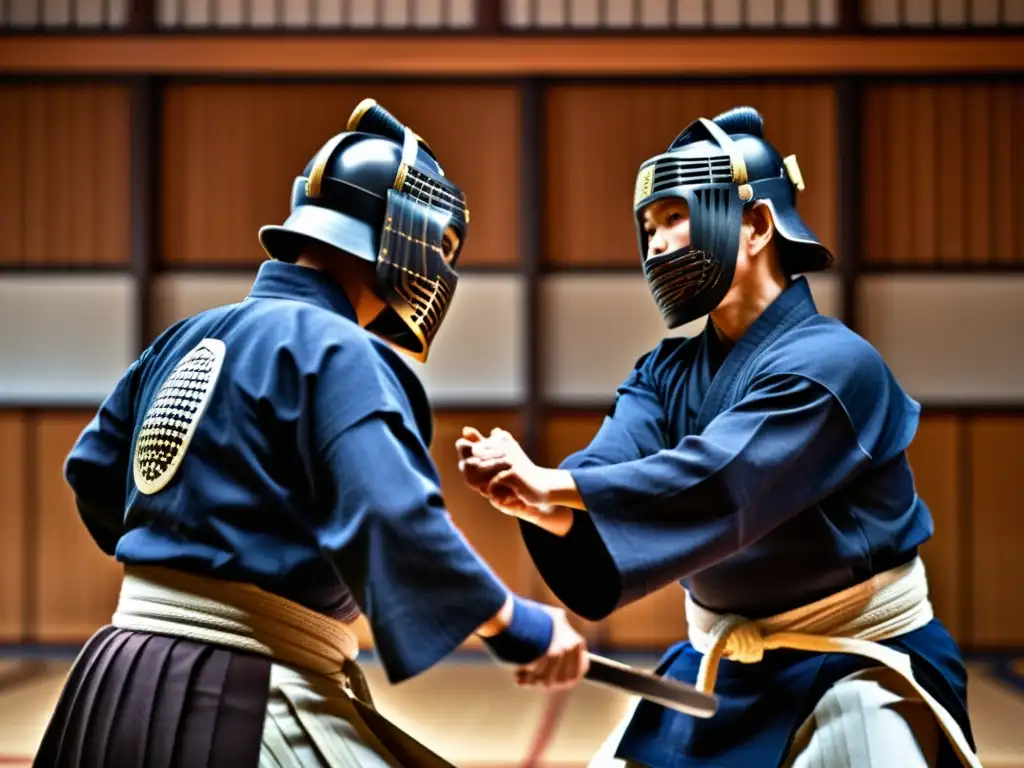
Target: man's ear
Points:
(762, 227)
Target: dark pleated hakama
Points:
(138, 700)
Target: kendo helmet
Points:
(719, 167)
(378, 192)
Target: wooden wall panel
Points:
(231, 152)
(997, 497)
(939, 164)
(12, 525)
(935, 460)
(64, 151)
(76, 583)
(597, 136)
(493, 535)
(651, 622)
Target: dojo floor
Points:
(470, 712)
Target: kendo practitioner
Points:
(763, 464)
(262, 472)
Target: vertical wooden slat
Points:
(12, 524)
(997, 498)
(532, 191)
(76, 583)
(977, 182)
(935, 462)
(110, 190)
(144, 219)
(81, 243)
(877, 159)
(900, 187)
(1007, 208)
(12, 159)
(38, 209)
(849, 202)
(175, 157)
(1017, 166)
(488, 17)
(142, 16)
(925, 178)
(952, 244)
(63, 191)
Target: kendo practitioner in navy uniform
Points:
(763, 464)
(262, 471)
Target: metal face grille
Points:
(173, 417)
(672, 172)
(676, 279)
(428, 191)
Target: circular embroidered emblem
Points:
(174, 415)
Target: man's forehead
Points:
(664, 203)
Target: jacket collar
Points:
(281, 280)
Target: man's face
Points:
(667, 224)
(450, 244)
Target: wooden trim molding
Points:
(512, 56)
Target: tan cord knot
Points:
(735, 637)
(744, 643)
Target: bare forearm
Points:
(557, 515)
(499, 622)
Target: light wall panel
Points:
(64, 154)
(952, 14)
(997, 497)
(478, 357)
(324, 14)
(939, 165)
(65, 339)
(255, 139)
(935, 461)
(55, 14)
(595, 326)
(948, 339)
(76, 584)
(668, 14)
(13, 495)
(178, 295)
(598, 135)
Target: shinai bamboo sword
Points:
(661, 690)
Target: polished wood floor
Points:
(470, 712)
